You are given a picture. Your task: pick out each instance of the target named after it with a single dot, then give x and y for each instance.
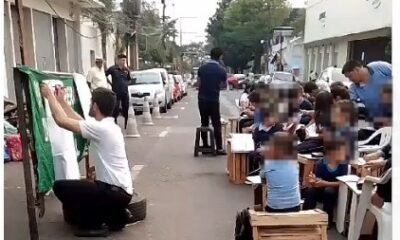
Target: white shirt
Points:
(97, 78)
(107, 149)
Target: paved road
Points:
(188, 198)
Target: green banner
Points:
(39, 122)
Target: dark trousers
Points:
(122, 104)
(211, 110)
(327, 196)
(285, 210)
(246, 122)
(93, 203)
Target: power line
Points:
(71, 27)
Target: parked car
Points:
(171, 83)
(331, 75)
(182, 85)
(281, 77)
(177, 91)
(242, 79)
(149, 83)
(232, 81)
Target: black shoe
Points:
(221, 152)
(101, 232)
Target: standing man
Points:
(121, 78)
(368, 82)
(96, 77)
(104, 201)
(210, 77)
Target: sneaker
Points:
(221, 152)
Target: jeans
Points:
(327, 195)
(211, 110)
(93, 203)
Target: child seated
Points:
(262, 134)
(281, 172)
(324, 185)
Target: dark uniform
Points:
(120, 81)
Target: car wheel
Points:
(169, 106)
(137, 208)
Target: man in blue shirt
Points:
(367, 84)
(211, 75)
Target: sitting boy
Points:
(261, 136)
(324, 185)
(281, 172)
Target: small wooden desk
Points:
(234, 123)
(308, 161)
(259, 192)
(238, 165)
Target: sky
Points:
(194, 15)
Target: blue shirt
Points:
(258, 117)
(369, 95)
(324, 172)
(120, 79)
(283, 188)
(211, 75)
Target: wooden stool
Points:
(238, 166)
(210, 136)
(303, 225)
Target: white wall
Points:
(90, 30)
(62, 7)
(345, 17)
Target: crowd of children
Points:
(287, 120)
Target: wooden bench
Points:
(303, 225)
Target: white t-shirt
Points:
(107, 149)
(97, 78)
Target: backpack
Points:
(243, 229)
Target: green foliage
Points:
(152, 31)
(239, 26)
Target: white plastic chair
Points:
(383, 215)
(386, 137)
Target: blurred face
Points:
(338, 155)
(121, 62)
(339, 119)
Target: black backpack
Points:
(243, 229)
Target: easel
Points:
(25, 129)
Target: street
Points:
(187, 198)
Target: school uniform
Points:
(326, 195)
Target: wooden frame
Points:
(25, 129)
(304, 225)
(238, 165)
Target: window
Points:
(56, 44)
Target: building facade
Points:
(339, 30)
(57, 38)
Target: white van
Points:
(150, 83)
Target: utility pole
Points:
(163, 24)
(30, 198)
(180, 31)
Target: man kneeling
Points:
(101, 205)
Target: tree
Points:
(244, 24)
(151, 35)
(103, 17)
(215, 25)
(296, 19)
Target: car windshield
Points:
(146, 78)
(283, 76)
